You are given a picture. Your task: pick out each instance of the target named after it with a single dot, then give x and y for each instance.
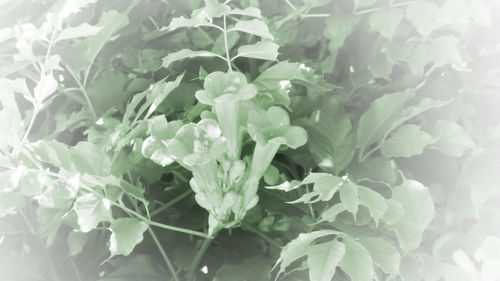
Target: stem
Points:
(164, 255)
(226, 46)
(367, 11)
(30, 125)
(85, 94)
(199, 256)
(261, 235)
(171, 202)
(75, 269)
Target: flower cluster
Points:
(225, 181)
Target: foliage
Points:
(249, 140)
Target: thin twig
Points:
(164, 255)
(199, 256)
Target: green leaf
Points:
(126, 233)
(331, 136)
(214, 9)
(105, 95)
(184, 54)
(254, 268)
(383, 253)
(297, 248)
(386, 21)
(452, 139)
(418, 212)
(378, 120)
(111, 22)
(254, 27)
(349, 197)
(360, 4)
(323, 259)
(249, 11)
(325, 186)
(407, 141)
(76, 242)
(10, 118)
(156, 98)
(264, 50)
(376, 203)
(45, 88)
(424, 16)
(91, 210)
(82, 30)
(357, 262)
(331, 213)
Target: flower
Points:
(220, 86)
(197, 144)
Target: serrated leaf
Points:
(261, 50)
(357, 262)
(82, 30)
(384, 254)
(297, 248)
(254, 27)
(379, 118)
(376, 203)
(349, 197)
(418, 212)
(126, 233)
(324, 188)
(407, 141)
(323, 259)
(184, 54)
(76, 242)
(386, 21)
(91, 210)
(331, 137)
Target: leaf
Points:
(254, 268)
(386, 21)
(452, 139)
(126, 233)
(91, 211)
(76, 242)
(82, 30)
(45, 88)
(407, 141)
(249, 11)
(349, 197)
(323, 259)
(10, 119)
(418, 212)
(325, 186)
(363, 4)
(376, 203)
(357, 262)
(186, 53)
(297, 248)
(105, 95)
(379, 118)
(331, 136)
(424, 16)
(331, 213)
(254, 27)
(264, 50)
(383, 253)
(156, 98)
(111, 22)
(214, 9)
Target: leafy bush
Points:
(249, 140)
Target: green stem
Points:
(164, 255)
(171, 202)
(261, 235)
(85, 94)
(199, 256)
(227, 46)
